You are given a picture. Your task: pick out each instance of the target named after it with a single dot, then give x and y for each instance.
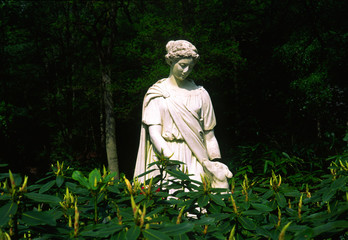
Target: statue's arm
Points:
(158, 141)
(212, 145)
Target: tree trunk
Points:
(110, 123)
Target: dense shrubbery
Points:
(70, 204)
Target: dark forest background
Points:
(276, 72)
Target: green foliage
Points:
(67, 204)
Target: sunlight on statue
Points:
(178, 119)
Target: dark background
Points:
(276, 72)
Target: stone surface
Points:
(178, 118)
(218, 173)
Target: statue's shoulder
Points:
(157, 85)
(202, 90)
(158, 89)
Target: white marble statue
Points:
(178, 118)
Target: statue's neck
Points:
(176, 83)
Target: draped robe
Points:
(190, 123)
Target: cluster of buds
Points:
(139, 215)
(76, 220)
(106, 175)
(235, 210)
(206, 184)
(275, 181)
(146, 189)
(138, 211)
(300, 207)
(233, 185)
(334, 168)
(68, 204)
(59, 169)
(245, 187)
(205, 230)
(308, 193)
(12, 188)
(163, 160)
(132, 190)
(343, 166)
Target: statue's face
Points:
(182, 68)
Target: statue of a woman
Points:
(178, 118)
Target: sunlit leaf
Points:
(78, 176)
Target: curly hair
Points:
(180, 49)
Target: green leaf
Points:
(292, 193)
(155, 235)
(47, 186)
(34, 218)
(7, 210)
(101, 230)
(177, 229)
(268, 194)
(213, 208)
(178, 174)
(133, 233)
(286, 155)
(247, 223)
(263, 232)
(280, 199)
(203, 200)
(328, 195)
(205, 221)
(301, 231)
(110, 176)
(266, 165)
(59, 180)
(119, 236)
(181, 237)
(78, 176)
(339, 182)
(113, 189)
(43, 198)
(252, 212)
(222, 216)
(262, 207)
(93, 178)
(217, 199)
(336, 226)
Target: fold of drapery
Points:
(188, 123)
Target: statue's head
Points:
(180, 49)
